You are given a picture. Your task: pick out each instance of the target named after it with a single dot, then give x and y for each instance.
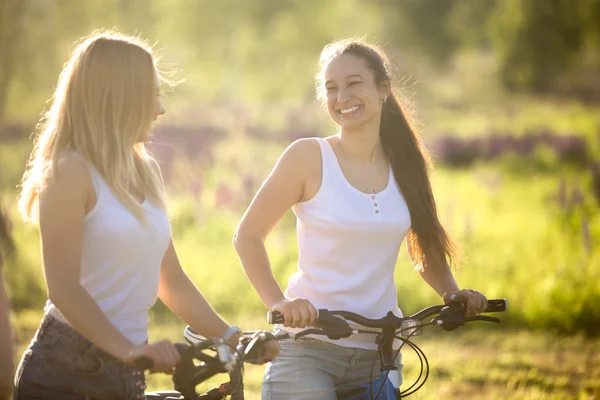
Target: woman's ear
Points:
(385, 90)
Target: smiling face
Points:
(353, 97)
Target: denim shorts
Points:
(313, 369)
(61, 364)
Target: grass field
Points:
(470, 363)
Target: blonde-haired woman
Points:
(106, 241)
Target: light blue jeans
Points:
(312, 369)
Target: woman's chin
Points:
(352, 124)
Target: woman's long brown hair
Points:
(431, 244)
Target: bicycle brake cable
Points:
(414, 347)
(422, 357)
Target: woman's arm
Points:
(284, 187)
(439, 276)
(182, 297)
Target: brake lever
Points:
(332, 326)
(450, 324)
(335, 327)
(253, 351)
(330, 333)
(253, 346)
(483, 318)
(309, 332)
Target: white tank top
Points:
(348, 244)
(121, 259)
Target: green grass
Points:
(486, 364)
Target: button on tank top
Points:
(348, 245)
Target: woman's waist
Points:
(350, 272)
(373, 293)
(118, 290)
(134, 326)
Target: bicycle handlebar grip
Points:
(274, 317)
(496, 305)
(143, 363)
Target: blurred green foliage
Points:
(267, 50)
(528, 224)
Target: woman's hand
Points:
(163, 353)
(297, 313)
(271, 350)
(268, 348)
(475, 301)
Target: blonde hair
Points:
(103, 108)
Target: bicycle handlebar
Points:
(451, 310)
(188, 374)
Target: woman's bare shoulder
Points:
(70, 172)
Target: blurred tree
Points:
(537, 40)
(264, 49)
(268, 50)
(423, 25)
(469, 22)
(539, 43)
(38, 37)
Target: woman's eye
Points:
(329, 89)
(354, 83)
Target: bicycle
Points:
(334, 325)
(197, 365)
(203, 358)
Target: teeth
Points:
(349, 110)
